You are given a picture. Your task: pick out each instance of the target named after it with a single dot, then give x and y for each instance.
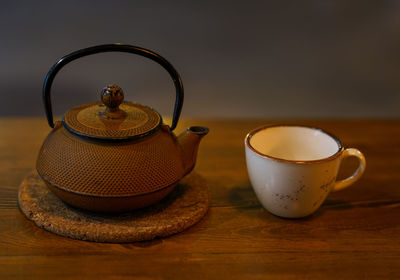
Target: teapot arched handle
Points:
(113, 48)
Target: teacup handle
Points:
(351, 152)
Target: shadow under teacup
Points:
(293, 168)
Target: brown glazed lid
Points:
(112, 119)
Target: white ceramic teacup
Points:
(293, 168)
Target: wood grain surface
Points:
(355, 234)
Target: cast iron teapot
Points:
(114, 155)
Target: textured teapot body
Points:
(76, 168)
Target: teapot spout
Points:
(189, 141)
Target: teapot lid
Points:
(112, 119)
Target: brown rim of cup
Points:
(334, 156)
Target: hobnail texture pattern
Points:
(110, 169)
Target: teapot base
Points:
(107, 204)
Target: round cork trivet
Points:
(182, 208)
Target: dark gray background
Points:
(276, 59)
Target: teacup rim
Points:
(326, 159)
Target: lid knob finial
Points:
(112, 96)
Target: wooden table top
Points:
(355, 234)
